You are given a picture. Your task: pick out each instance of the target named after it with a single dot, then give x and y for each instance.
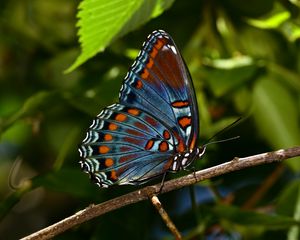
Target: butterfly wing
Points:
(125, 145)
(159, 83)
(154, 128)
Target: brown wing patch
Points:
(125, 149)
(132, 140)
(134, 132)
(151, 121)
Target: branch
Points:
(164, 215)
(142, 194)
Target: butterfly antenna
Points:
(221, 141)
(209, 141)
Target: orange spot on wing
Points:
(133, 111)
(145, 74)
(159, 44)
(139, 83)
(149, 144)
(180, 104)
(113, 175)
(153, 52)
(163, 146)
(120, 117)
(166, 135)
(109, 162)
(107, 137)
(181, 146)
(103, 149)
(184, 122)
(150, 63)
(112, 126)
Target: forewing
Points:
(159, 83)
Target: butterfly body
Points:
(154, 127)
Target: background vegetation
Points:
(244, 58)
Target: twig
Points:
(164, 215)
(96, 210)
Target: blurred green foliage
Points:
(245, 61)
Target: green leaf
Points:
(38, 102)
(294, 231)
(245, 217)
(226, 74)
(72, 181)
(101, 21)
(272, 22)
(276, 114)
(288, 199)
(289, 204)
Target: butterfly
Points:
(153, 129)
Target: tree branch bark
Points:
(165, 217)
(93, 211)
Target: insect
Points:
(153, 129)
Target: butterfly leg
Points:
(194, 173)
(192, 169)
(162, 183)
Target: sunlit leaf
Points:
(226, 74)
(102, 21)
(272, 22)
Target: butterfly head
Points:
(183, 160)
